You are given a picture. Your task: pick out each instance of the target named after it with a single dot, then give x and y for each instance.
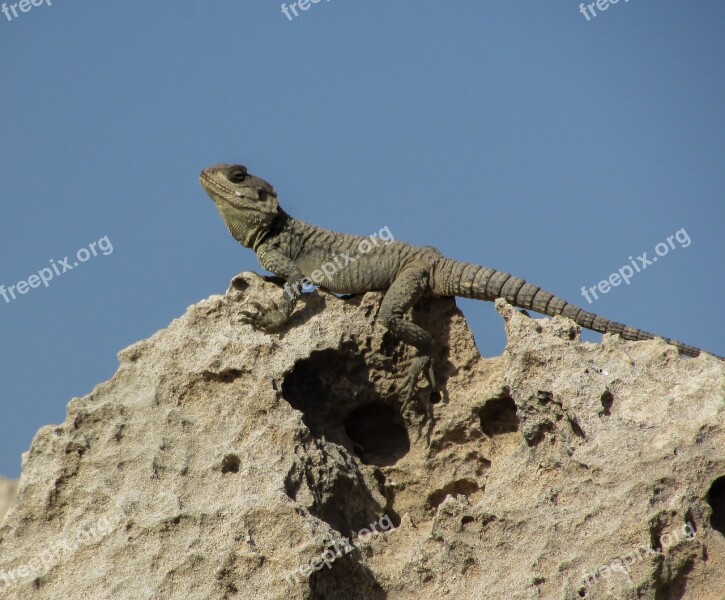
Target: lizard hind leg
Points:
(403, 293)
(419, 366)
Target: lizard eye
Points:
(237, 174)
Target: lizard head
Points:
(247, 204)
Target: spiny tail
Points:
(455, 278)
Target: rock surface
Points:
(219, 462)
(7, 495)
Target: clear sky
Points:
(516, 134)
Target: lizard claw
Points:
(267, 318)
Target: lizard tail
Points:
(455, 278)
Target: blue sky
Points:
(513, 134)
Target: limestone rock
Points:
(224, 463)
(7, 495)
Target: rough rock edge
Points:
(7, 495)
(550, 461)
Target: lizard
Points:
(293, 250)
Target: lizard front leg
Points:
(272, 317)
(404, 292)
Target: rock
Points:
(7, 495)
(224, 463)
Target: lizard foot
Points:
(267, 318)
(419, 365)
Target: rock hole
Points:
(544, 397)
(607, 400)
(655, 533)
(378, 433)
(168, 524)
(231, 463)
(325, 387)
(576, 428)
(225, 376)
(466, 520)
(231, 588)
(716, 500)
(333, 390)
(239, 283)
(464, 487)
(690, 521)
(499, 415)
(483, 465)
(539, 435)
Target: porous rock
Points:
(220, 462)
(7, 495)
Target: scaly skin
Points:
(293, 250)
